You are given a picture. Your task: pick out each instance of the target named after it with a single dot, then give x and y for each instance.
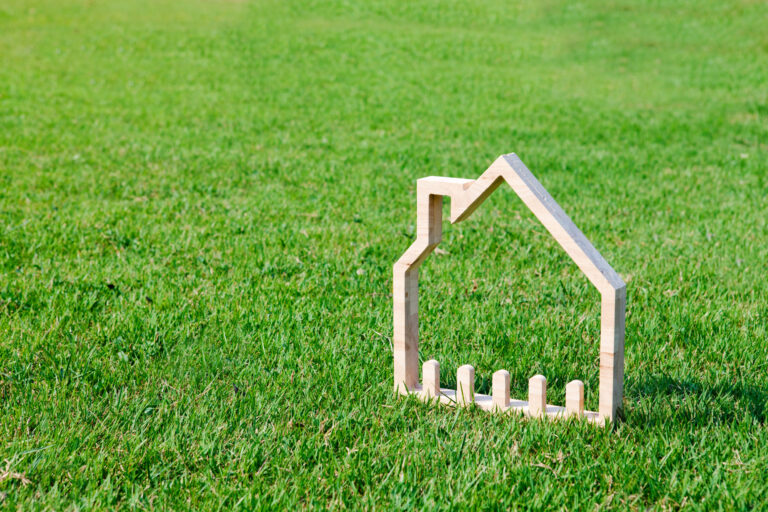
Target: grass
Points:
(200, 205)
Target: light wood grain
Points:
(430, 380)
(465, 196)
(537, 396)
(465, 385)
(612, 353)
(500, 391)
(574, 398)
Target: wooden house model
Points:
(466, 195)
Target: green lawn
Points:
(201, 203)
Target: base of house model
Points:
(499, 401)
(465, 196)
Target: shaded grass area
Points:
(200, 204)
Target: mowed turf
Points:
(201, 203)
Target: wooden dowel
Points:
(465, 385)
(574, 398)
(431, 378)
(500, 390)
(537, 396)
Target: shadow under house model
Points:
(466, 196)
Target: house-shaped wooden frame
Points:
(466, 196)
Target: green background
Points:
(201, 203)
